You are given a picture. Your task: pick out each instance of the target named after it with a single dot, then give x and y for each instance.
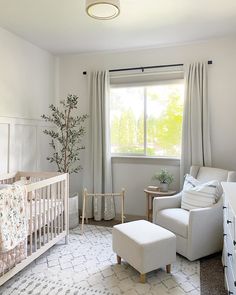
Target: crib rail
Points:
(8, 178)
(47, 211)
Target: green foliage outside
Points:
(163, 131)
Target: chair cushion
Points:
(201, 196)
(174, 219)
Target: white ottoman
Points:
(144, 245)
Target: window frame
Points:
(144, 85)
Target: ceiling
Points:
(62, 26)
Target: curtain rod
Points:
(148, 67)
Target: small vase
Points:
(164, 187)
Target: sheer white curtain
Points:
(99, 176)
(196, 144)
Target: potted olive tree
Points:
(165, 179)
(66, 135)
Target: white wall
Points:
(26, 78)
(27, 87)
(135, 174)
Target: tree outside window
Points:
(147, 120)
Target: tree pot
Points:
(73, 211)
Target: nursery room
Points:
(117, 147)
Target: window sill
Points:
(145, 160)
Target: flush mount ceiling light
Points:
(103, 9)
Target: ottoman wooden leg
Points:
(168, 268)
(118, 259)
(143, 278)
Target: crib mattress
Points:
(43, 212)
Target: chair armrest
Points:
(196, 213)
(161, 203)
(201, 218)
(205, 230)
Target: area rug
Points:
(87, 265)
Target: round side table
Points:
(152, 194)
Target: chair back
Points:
(205, 174)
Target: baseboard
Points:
(129, 217)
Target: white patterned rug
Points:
(88, 266)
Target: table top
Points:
(158, 193)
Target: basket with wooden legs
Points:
(86, 195)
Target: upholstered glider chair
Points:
(199, 232)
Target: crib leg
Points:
(67, 239)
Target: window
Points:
(147, 120)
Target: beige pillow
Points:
(201, 196)
(190, 182)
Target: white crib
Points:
(47, 210)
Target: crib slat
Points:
(35, 222)
(59, 207)
(61, 184)
(53, 213)
(43, 215)
(57, 197)
(54, 209)
(51, 217)
(40, 216)
(63, 204)
(30, 222)
(48, 193)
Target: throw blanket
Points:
(13, 217)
